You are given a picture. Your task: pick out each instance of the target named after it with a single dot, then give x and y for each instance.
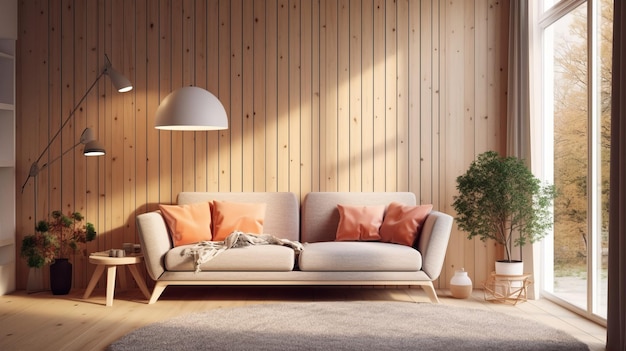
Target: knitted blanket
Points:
(205, 251)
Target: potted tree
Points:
(500, 199)
(53, 242)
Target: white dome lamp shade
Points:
(192, 109)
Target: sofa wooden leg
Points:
(159, 287)
(430, 291)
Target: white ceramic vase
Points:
(461, 284)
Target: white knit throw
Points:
(205, 251)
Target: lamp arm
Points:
(34, 168)
(46, 165)
(70, 115)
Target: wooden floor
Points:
(42, 321)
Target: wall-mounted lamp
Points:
(92, 146)
(191, 108)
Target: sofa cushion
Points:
(320, 216)
(188, 224)
(231, 216)
(403, 223)
(249, 258)
(359, 222)
(359, 256)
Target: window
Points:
(575, 119)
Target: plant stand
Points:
(507, 288)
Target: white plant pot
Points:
(509, 268)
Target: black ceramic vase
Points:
(61, 276)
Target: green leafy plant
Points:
(39, 249)
(56, 237)
(499, 196)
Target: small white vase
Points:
(461, 284)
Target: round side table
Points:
(102, 260)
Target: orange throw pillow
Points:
(188, 224)
(359, 222)
(231, 216)
(402, 223)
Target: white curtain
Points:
(616, 316)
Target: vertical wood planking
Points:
(128, 135)
(236, 101)
(66, 139)
(391, 94)
(153, 177)
(379, 96)
(248, 96)
(480, 266)
(427, 91)
(469, 110)
(294, 98)
(355, 117)
(140, 125)
(199, 79)
(343, 164)
(224, 76)
(402, 95)
(331, 161)
(165, 87)
(455, 116)
(80, 122)
(316, 49)
(306, 98)
(320, 94)
(213, 86)
(188, 41)
(367, 95)
(271, 96)
(52, 176)
(283, 115)
(177, 69)
(259, 95)
(415, 101)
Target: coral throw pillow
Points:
(188, 224)
(359, 222)
(402, 223)
(231, 216)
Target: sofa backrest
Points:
(320, 217)
(281, 215)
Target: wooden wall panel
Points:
(322, 95)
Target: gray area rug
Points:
(361, 325)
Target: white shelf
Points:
(7, 83)
(7, 107)
(7, 242)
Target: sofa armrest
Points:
(155, 242)
(433, 242)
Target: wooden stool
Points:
(102, 260)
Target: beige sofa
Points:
(323, 261)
